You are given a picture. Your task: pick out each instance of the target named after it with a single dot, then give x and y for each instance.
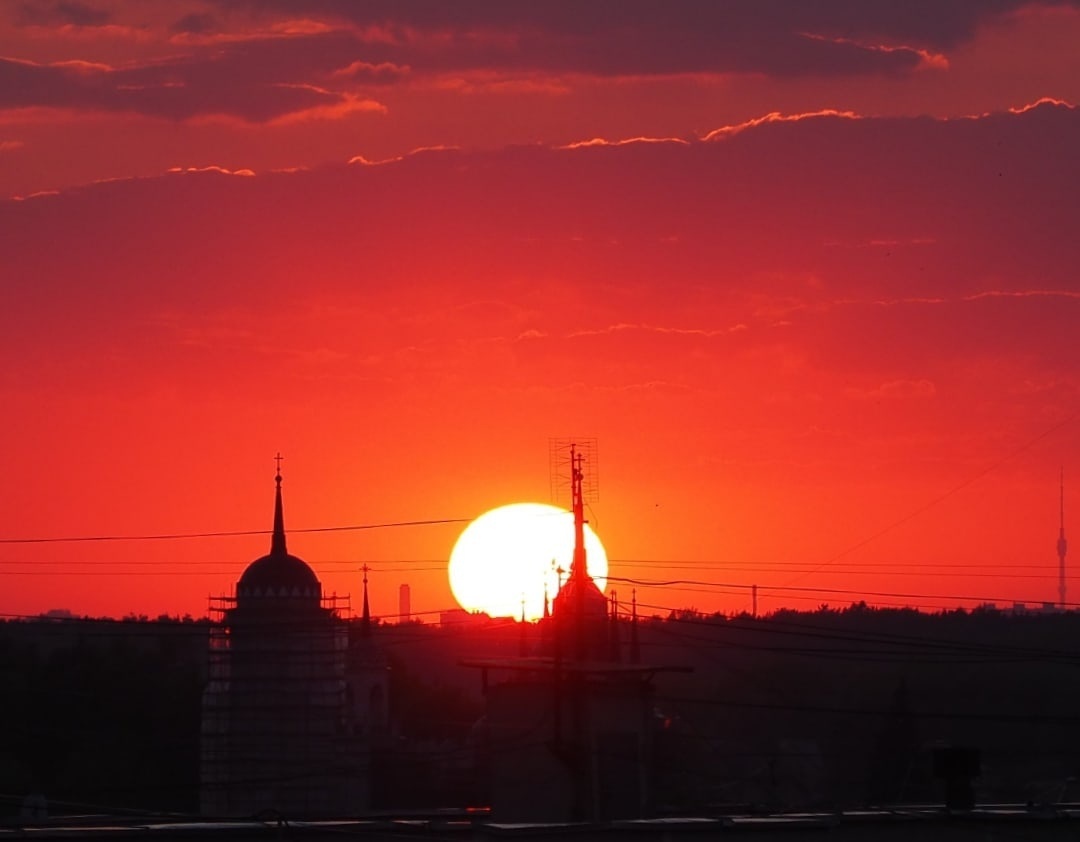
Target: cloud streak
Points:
(775, 37)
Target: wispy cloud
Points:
(725, 132)
(420, 150)
(345, 106)
(212, 169)
(1046, 100)
(625, 327)
(599, 141)
(926, 59)
(898, 390)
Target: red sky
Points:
(808, 272)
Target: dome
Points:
(565, 601)
(278, 571)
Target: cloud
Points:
(366, 71)
(773, 37)
(902, 390)
(776, 117)
(195, 23)
(1046, 100)
(623, 327)
(39, 194)
(952, 266)
(420, 150)
(927, 60)
(252, 81)
(1026, 293)
(66, 13)
(270, 64)
(599, 141)
(343, 107)
(214, 169)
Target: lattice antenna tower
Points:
(561, 469)
(1062, 545)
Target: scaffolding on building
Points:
(275, 731)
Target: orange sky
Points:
(807, 272)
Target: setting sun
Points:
(513, 553)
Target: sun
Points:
(510, 553)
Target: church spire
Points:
(580, 610)
(277, 542)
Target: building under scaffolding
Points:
(291, 705)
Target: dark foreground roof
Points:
(1005, 823)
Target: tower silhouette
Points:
(1062, 546)
(580, 719)
(580, 609)
(292, 703)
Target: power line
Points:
(803, 589)
(942, 497)
(777, 626)
(230, 534)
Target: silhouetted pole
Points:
(1062, 545)
(556, 688)
(578, 574)
(523, 643)
(753, 606)
(578, 569)
(635, 646)
(615, 650)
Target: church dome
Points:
(278, 573)
(565, 602)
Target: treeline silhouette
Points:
(827, 708)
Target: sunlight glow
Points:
(512, 552)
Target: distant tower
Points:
(1062, 545)
(580, 609)
(367, 679)
(365, 615)
(404, 604)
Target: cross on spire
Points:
(277, 540)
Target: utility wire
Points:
(229, 534)
(798, 589)
(941, 497)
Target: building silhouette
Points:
(568, 733)
(294, 700)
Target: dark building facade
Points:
(292, 705)
(568, 733)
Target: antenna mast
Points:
(562, 453)
(1062, 546)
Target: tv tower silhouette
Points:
(1062, 546)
